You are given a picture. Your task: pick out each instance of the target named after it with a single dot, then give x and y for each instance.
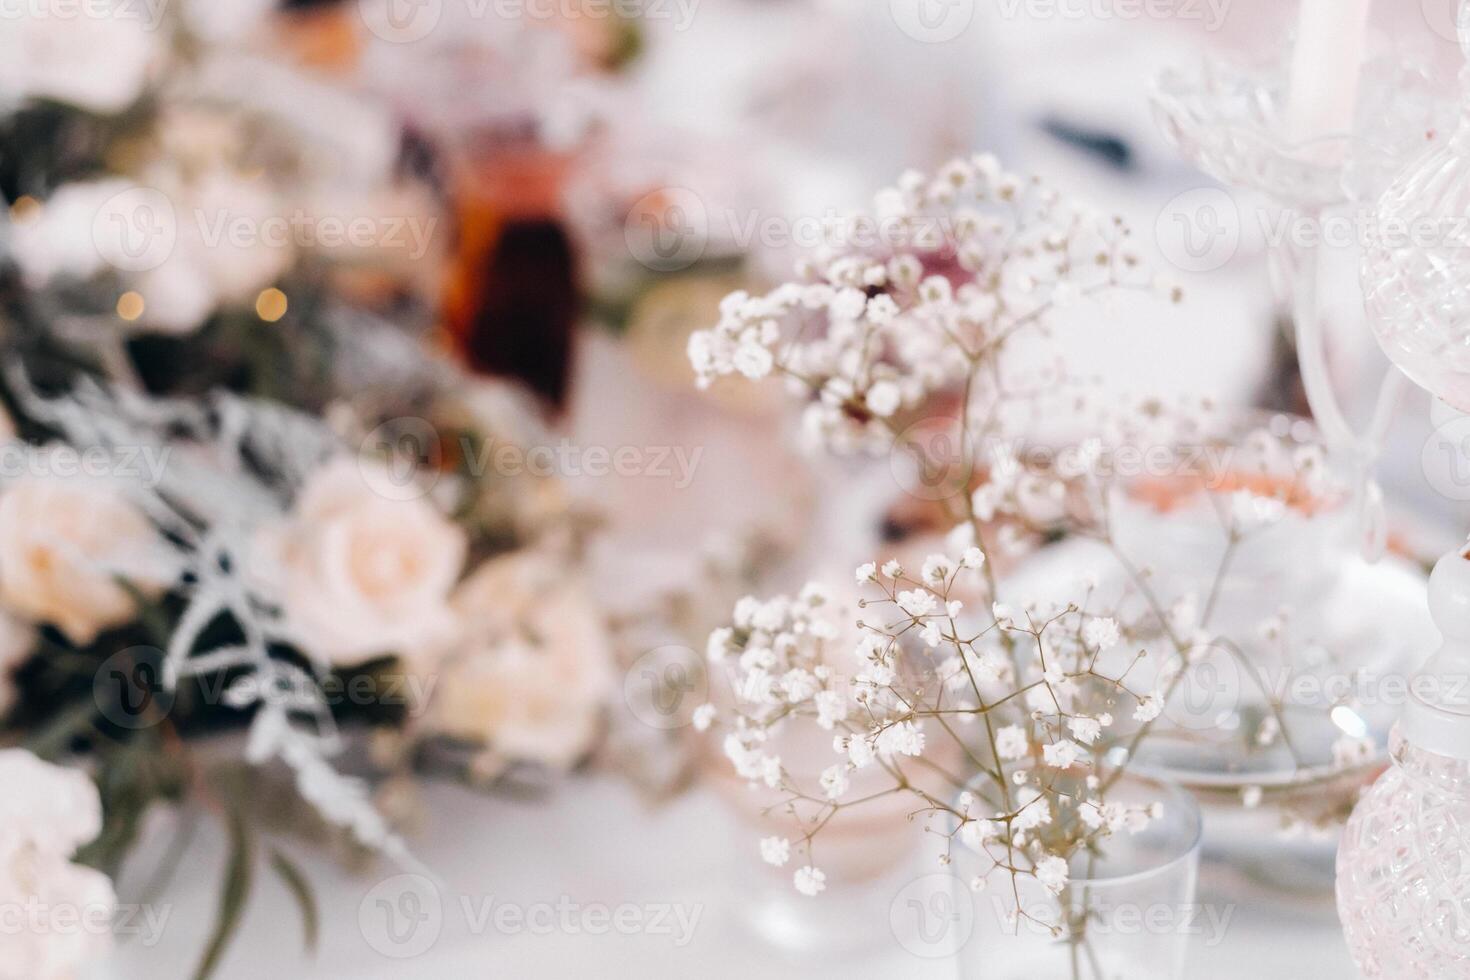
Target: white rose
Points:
(44, 807)
(64, 543)
(70, 927)
(226, 21)
(46, 813)
(189, 247)
(536, 668)
(56, 239)
(361, 575)
(100, 63)
(232, 239)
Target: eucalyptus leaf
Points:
(300, 888)
(239, 877)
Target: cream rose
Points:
(64, 543)
(535, 669)
(359, 574)
(46, 813)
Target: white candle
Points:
(1325, 66)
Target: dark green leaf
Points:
(233, 896)
(55, 737)
(300, 889)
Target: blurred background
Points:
(590, 178)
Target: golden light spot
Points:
(270, 305)
(25, 208)
(130, 305)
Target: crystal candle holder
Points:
(1225, 120)
(1403, 872)
(1228, 120)
(1402, 885)
(1416, 266)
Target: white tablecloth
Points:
(595, 843)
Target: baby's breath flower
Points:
(1052, 872)
(937, 570)
(834, 781)
(832, 707)
(883, 399)
(917, 602)
(1085, 730)
(1148, 709)
(905, 738)
(719, 642)
(1062, 755)
(1011, 742)
(1101, 634)
(775, 850)
(810, 881)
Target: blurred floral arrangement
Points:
(241, 491)
(1006, 707)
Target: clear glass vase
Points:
(1127, 913)
(869, 854)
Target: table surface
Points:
(596, 844)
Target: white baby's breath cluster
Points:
(912, 682)
(905, 301)
(1008, 726)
